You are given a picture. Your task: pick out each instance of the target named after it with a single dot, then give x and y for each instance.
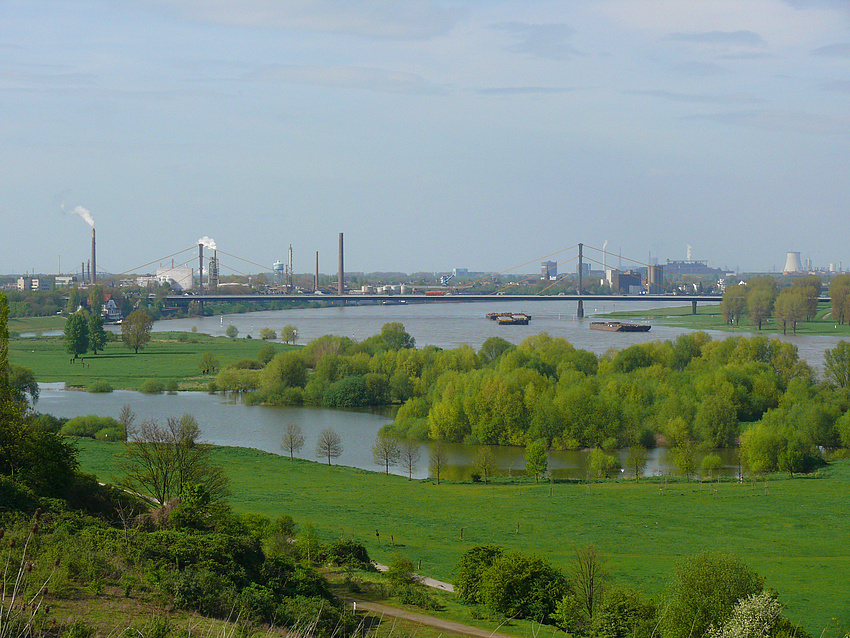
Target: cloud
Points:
(524, 90)
(834, 51)
(735, 38)
(541, 40)
(700, 69)
(385, 19)
(779, 121)
(701, 98)
(370, 79)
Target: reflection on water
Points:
(225, 421)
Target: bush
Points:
(89, 426)
(171, 386)
(348, 392)
(311, 616)
(116, 434)
(349, 552)
(152, 386)
(202, 590)
(245, 364)
(100, 386)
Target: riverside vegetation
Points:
(181, 545)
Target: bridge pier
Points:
(580, 310)
(694, 307)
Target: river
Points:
(447, 325)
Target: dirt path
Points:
(428, 582)
(422, 619)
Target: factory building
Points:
(626, 283)
(178, 278)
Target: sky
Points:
(477, 134)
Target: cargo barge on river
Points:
(509, 318)
(619, 326)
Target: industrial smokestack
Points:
(316, 280)
(201, 268)
(93, 258)
(341, 281)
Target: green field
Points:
(18, 325)
(708, 317)
(169, 355)
(794, 532)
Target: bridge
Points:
(420, 298)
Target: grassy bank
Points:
(793, 531)
(708, 317)
(19, 325)
(169, 355)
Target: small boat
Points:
(514, 319)
(619, 326)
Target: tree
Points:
(96, 299)
(536, 459)
(752, 617)
(493, 348)
(519, 586)
(23, 386)
(288, 334)
(409, 456)
(759, 305)
(589, 575)
(161, 460)
(470, 570)
(136, 330)
(75, 298)
(710, 464)
(485, 462)
(97, 335)
(636, 460)
(208, 363)
(267, 334)
(733, 304)
(231, 331)
(76, 334)
(437, 458)
(703, 593)
(836, 365)
(839, 293)
(717, 421)
(395, 337)
(329, 445)
(385, 451)
(683, 458)
(293, 439)
(4, 348)
(790, 308)
(602, 464)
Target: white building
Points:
(179, 278)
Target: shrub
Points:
(116, 434)
(348, 392)
(349, 552)
(311, 616)
(202, 590)
(171, 386)
(245, 364)
(152, 386)
(89, 426)
(99, 386)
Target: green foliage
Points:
(99, 387)
(519, 586)
(267, 334)
(231, 331)
(92, 425)
(23, 385)
(536, 459)
(624, 613)
(76, 334)
(265, 354)
(348, 392)
(349, 552)
(470, 570)
(703, 593)
(152, 386)
(836, 365)
(136, 330)
(97, 335)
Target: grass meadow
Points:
(708, 317)
(169, 355)
(794, 532)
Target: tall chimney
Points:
(88, 269)
(341, 281)
(93, 258)
(316, 280)
(201, 268)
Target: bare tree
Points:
(161, 461)
(437, 459)
(409, 456)
(329, 445)
(485, 462)
(385, 451)
(589, 574)
(293, 439)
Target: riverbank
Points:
(709, 317)
(792, 531)
(170, 356)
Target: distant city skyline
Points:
(435, 135)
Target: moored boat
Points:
(619, 326)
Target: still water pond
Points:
(227, 422)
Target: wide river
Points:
(447, 325)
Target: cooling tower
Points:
(793, 263)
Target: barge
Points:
(619, 326)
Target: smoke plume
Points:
(82, 212)
(207, 242)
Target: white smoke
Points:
(82, 212)
(207, 242)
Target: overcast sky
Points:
(477, 134)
